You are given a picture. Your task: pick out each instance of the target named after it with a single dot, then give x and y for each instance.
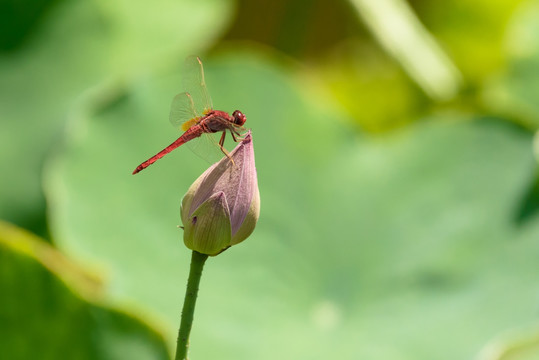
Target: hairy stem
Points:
(195, 272)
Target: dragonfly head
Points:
(239, 118)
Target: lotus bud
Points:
(222, 206)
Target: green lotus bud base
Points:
(195, 272)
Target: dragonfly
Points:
(193, 113)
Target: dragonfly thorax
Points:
(216, 121)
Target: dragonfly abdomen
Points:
(192, 133)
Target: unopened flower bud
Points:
(222, 206)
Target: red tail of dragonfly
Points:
(192, 111)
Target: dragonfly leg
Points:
(221, 145)
(228, 155)
(236, 135)
(222, 140)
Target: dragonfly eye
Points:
(239, 118)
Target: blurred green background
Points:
(395, 153)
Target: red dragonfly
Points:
(192, 111)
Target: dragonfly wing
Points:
(183, 113)
(207, 147)
(195, 84)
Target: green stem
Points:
(195, 272)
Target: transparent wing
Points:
(183, 111)
(194, 83)
(207, 146)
